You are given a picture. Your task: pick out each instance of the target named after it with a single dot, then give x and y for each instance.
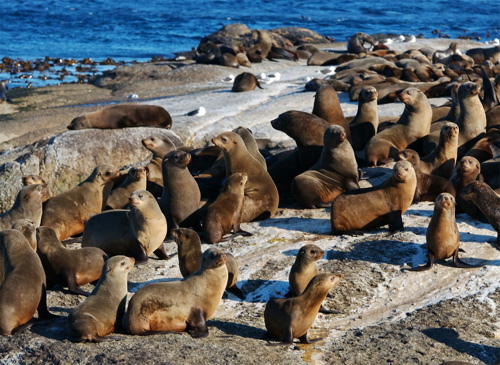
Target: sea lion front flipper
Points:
(395, 221)
(459, 263)
(20, 328)
(323, 310)
(73, 286)
(304, 339)
(106, 338)
(196, 324)
(287, 339)
(161, 252)
(140, 256)
(425, 267)
(236, 291)
(43, 312)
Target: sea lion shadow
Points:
(291, 252)
(53, 328)
(133, 287)
(450, 338)
(260, 291)
(238, 329)
(302, 224)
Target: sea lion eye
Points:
(123, 263)
(223, 139)
(153, 139)
(108, 173)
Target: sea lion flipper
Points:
(304, 339)
(425, 267)
(73, 286)
(43, 312)
(236, 291)
(161, 252)
(395, 221)
(323, 310)
(459, 263)
(196, 323)
(141, 257)
(106, 338)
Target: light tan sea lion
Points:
(97, 316)
(68, 212)
(136, 180)
(365, 124)
(291, 318)
(70, 268)
(37, 179)
(124, 116)
(136, 233)
(180, 305)
(28, 205)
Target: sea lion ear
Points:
(234, 142)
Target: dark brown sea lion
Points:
(490, 172)
(68, 212)
(123, 116)
(441, 161)
(135, 233)
(245, 81)
(160, 146)
(97, 316)
(443, 237)
(467, 170)
(291, 318)
(370, 208)
(415, 122)
(479, 55)
(357, 42)
(261, 48)
(136, 180)
(28, 205)
(261, 196)
(37, 179)
(485, 198)
(70, 268)
(23, 288)
(334, 172)
(180, 305)
(365, 124)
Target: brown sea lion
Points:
(365, 124)
(123, 116)
(261, 196)
(261, 48)
(467, 170)
(37, 179)
(357, 42)
(484, 197)
(414, 123)
(243, 59)
(251, 144)
(97, 316)
(136, 233)
(291, 318)
(180, 305)
(479, 55)
(181, 195)
(489, 172)
(428, 186)
(441, 161)
(245, 81)
(224, 214)
(443, 237)
(67, 213)
(160, 146)
(135, 180)
(370, 208)
(28, 229)
(327, 106)
(23, 288)
(70, 268)
(334, 172)
(28, 205)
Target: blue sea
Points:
(139, 30)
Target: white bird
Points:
(327, 71)
(201, 111)
(262, 76)
(275, 76)
(228, 79)
(493, 42)
(133, 96)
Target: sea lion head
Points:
(106, 173)
(182, 235)
(468, 89)
(33, 179)
(310, 252)
(468, 164)
(446, 201)
(177, 158)
(140, 198)
(32, 192)
(403, 171)
(334, 133)
(227, 141)
(408, 96)
(323, 282)
(212, 258)
(137, 173)
(79, 122)
(410, 156)
(118, 264)
(367, 94)
(449, 131)
(44, 237)
(237, 181)
(28, 229)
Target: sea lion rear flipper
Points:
(73, 286)
(141, 257)
(459, 263)
(20, 328)
(196, 323)
(236, 291)
(106, 338)
(425, 267)
(395, 221)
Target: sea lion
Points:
(261, 195)
(327, 107)
(334, 172)
(291, 318)
(135, 180)
(428, 186)
(68, 212)
(23, 288)
(181, 195)
(180, 305)
(415, 122)
(159, 146)
(484, 197)
(261, 48)
(37, 179)
(370, 208)
(97, 316)
(467, 170)
(28, 229)
(443, 237)
(243, 59)
(245, 81)
(479, 55)
(123, 116)
(489, 172)
(365, 124)
(441, 161)
(135, 233)
(357, 42)
(251, 144)
(68, 267)
(224, 214)
(189, 254)
(28, 205)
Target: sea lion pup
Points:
(189, 254)
(428, 186)
(67, 213)
(370, 208)
(441, 161)
(261, 196)
(327, 107)
(224, 214)
(37, 179)
(180, 305)
(245, 81)
(291, 318)
(28, 205)
(136, 233)
(415, 122)
(334, 172)
(365, 124)
(123, 116)
(68, 267)
(467, 170)
(159, 146)
(97, 316)
(357, 41)
(181, 195)
(484, 197)
(135, 180)
(23, 288)
(443, 237)
(28, 229)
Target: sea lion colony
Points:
(324, 152)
